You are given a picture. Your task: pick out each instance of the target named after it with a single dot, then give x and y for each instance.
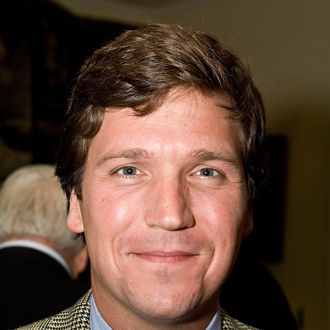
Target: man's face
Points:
(164, 208)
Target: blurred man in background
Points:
(39, 257)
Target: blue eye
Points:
(128, 171)
(208, 172)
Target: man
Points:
(39, 256)
(159, 159)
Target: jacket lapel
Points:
(76, 317)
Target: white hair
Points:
(32, 203)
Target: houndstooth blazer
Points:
(77, 318)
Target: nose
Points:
(169, 206)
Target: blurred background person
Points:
(40, 258)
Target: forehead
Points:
(186, 118)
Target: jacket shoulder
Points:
(75, 317)
(229, 323)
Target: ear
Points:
(248, 225)
(74, 220)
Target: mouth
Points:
(165, 257)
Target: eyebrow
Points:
(206, 155)
(127, 153)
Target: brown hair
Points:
(137, 70)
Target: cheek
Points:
(222, 211)
(221, 217)
(107, 219)
(106, 210)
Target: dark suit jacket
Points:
(253, 295)
(33, 286)
(77, 317)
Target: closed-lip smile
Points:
(164, 256)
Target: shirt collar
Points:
(36, 246)
(98, 323)
(215, 323)
(96, 320)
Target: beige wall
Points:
(287, 45)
